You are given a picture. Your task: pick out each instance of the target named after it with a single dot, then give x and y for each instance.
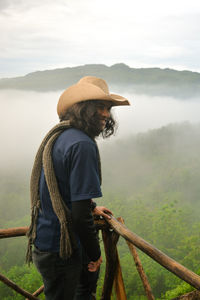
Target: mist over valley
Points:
(26, 116)
(151, 174)
(155, 136)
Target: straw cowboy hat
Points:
(88, 88)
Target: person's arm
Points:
(92, 205)
(85, 183)
(100, 210)
(83, 225)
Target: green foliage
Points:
(181, 289)
(14, 198)
(12, 251)
(25, 277)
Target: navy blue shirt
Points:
(75, 163)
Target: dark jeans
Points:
(66, 279)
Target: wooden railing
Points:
(111, 231)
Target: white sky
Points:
(48, 34)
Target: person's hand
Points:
(102, 211)
(93, 266)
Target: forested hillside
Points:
(151, 81)
(151, 180)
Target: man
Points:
(66, 177)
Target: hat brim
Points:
(86, 91)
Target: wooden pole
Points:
(110, 240)
(164, 260)
(15, 287)
(119, 282)
(38, 291)
(21, 231)
(139, 267)
(141, 272)
(13, 232)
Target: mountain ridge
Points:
(155, 81)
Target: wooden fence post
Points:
(119, 282)
(139, 267)
(38, 291)
(15, 287)
(164, 260)
(113, 269)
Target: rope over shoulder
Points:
(43, 159)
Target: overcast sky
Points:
(48, 34)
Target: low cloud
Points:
(27, 116)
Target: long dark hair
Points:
(84, 116)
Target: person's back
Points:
(74, 157)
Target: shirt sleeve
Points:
(84, 174)
(83, 224)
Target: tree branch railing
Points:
(111, 230)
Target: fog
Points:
(148, 112)
(27, 116)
